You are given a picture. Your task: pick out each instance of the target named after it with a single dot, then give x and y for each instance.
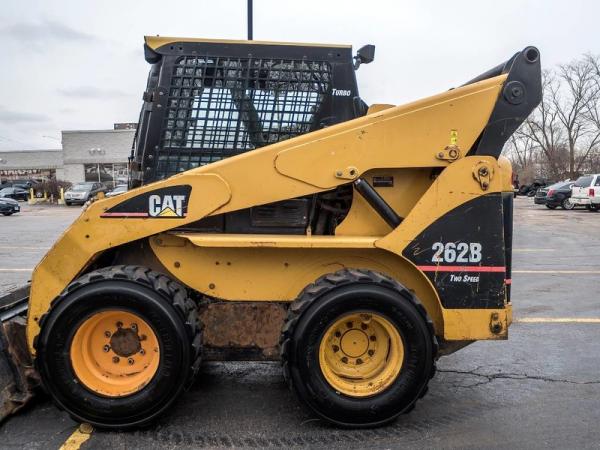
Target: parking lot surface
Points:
(539, 389)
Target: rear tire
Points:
(371, 302)
(550, 206)
(7, 214)
(73, 334)
(566, 204)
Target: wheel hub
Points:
(125, 342)
(354, 343)
(115, 353)
(361, 354)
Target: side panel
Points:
(463, 255)
(458, 209)
(279, 274)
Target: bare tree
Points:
(572, 99)
(543, 127)
(521, 149)
(592, 114)
(562, 136)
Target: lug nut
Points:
(336, 348)
(373, 338)
(364, 326)
(338, 334)
(142, 351)
(359, 361)
(134, 326)
(106, 348)
(371, 352)
(107, 334)
(349, 324)
(143, 337)
(345, 360)
(116, 359)
(119, 324)
(130, 361)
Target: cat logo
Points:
(166, 206)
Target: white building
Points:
(86, 155)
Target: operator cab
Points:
(210, 100)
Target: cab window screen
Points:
(220, 107)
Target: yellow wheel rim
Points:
(361, 354)
(115, 353)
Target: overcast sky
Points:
(73, 64)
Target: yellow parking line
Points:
(79, 436)
(558, 320)
(571, 272)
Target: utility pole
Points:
(249, 20)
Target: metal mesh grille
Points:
(220, 107)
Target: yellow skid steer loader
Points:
(275, 216)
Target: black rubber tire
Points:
(7, 214)
(322, 303)
(566, 204)
(593, 208)
(67, 203)
(161, 302)
(550, 206)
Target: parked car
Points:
(15, 193)
(9, 206)
(80, 193)
(586, 192)
(540, 196)
(23, 184)
(119, 189)
(559, 194)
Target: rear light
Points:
(592, 192)
(550, 193)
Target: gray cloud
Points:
(15, 117)
(91, 92)
(42, 31)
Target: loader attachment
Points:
(18, 378)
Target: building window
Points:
(109, 174)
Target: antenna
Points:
(249, 20)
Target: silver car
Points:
(80, 193)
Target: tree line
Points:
(561, 138)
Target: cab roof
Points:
(155, 42)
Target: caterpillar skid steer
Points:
(275, 216)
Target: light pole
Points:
(250, 20)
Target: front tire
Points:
(118, 346)
(358, 348)
(550, 206)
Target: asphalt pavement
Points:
(539, 389)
